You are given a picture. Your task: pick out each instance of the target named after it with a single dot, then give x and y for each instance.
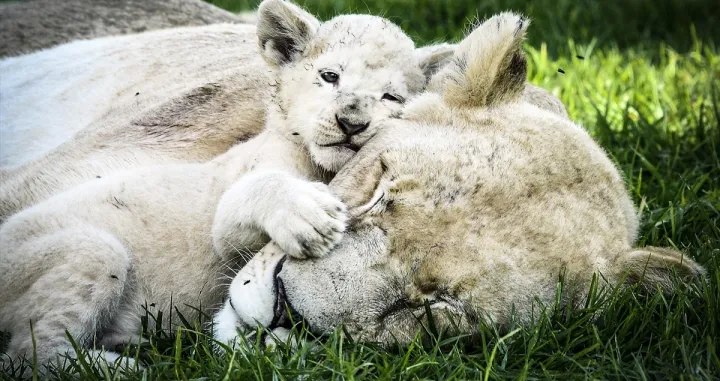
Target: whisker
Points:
(244, 253)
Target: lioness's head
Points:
(473, 204)
(336, 79)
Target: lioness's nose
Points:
(349, 128)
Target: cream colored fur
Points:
(109, 228)
(105, 105)
(475, 202)
(168, 232)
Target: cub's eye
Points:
(392, 98)
(329, 76)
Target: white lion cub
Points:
(87, 259)
(334, 79)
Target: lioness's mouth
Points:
(284, 315)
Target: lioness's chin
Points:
(332, 158)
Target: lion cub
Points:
(87, 259)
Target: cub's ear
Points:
(488, 67)
(283, 31)
(432, 58)
(655, 266)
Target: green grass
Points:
(648, 89)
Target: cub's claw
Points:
(310, 224)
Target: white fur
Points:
(304, 218)
(189, 94)
(105, 242)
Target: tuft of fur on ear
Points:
(432, 58)
(655, 266)
(489, 66)
(283, 30)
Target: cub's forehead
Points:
(374, 41)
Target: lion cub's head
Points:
(337, 78)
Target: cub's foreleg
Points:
(304, 218)
(61, 170)
(65, 279)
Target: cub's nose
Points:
(349, 128)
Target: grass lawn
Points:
(644, 78)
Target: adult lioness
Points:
(475, 201)
(162, 234)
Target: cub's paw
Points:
(309, 222)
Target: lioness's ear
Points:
(432, 58)
(654, 266)
(283, 30)
(488, 67)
